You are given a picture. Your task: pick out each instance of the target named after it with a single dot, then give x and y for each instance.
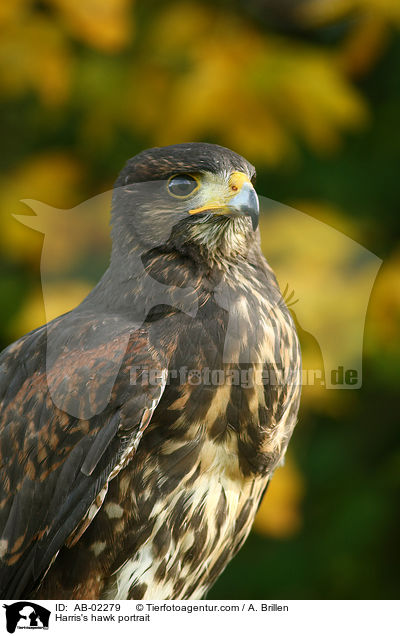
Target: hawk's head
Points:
(192, 194)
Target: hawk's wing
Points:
(54, 467)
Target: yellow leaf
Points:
(314, 97)
(103, 24)
(363, 45)
(34, 55)
(318, 12)
(12, 11)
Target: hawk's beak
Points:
(242, 200)
(245, 203)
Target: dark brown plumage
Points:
(122, 475)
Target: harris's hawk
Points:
(135, 445)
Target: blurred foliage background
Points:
(309, 91)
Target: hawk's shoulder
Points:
(55, 466)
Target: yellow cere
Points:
(236, 182)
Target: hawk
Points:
(139, 431)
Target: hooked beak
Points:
(243, 203)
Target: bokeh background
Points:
(309, 91)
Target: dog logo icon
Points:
(26, 615)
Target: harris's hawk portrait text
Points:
(139, 431)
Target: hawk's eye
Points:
(181, 185)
